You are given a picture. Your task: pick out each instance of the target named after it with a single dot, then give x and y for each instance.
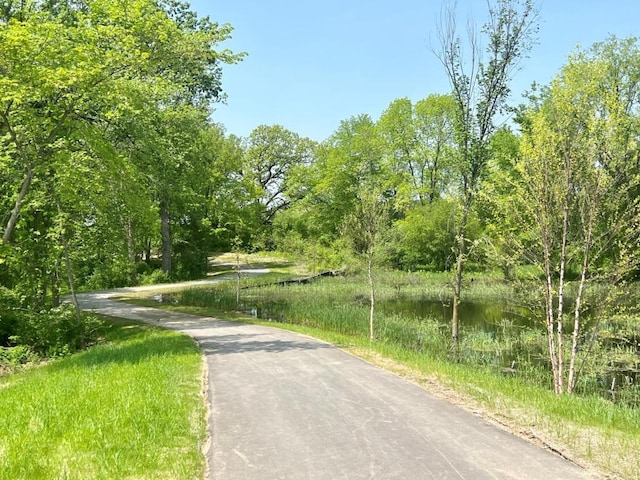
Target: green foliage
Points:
(273, 153)
(154, 277)
(9, 305)
(418, 147)
(100, 133)
(12, 357)
(426, 235)
(55, 332)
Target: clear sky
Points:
(311, 64)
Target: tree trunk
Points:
(165, 231)
(549, 316)
(561, 282)
(131, 251)
(573, 377)
(238, 278)
(460, 261)
(15, 213)
(70, 278)
(372, 292)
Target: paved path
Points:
(286, 406)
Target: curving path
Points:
(287, 406)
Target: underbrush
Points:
(29, 335)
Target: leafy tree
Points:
(101, 104)
(365, 228)
(426, 235)
(480, 89)
(272, 152)
(418, 142)
(233, 211)
(501, 174)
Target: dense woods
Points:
(113, 171)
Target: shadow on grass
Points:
(128, 342)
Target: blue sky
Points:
(311, 64)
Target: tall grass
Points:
(129, 408)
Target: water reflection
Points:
(486, 317)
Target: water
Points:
(487, 317)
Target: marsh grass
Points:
(128, 408)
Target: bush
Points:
(19, 355)
(153, 277)
(8, 319)
(55, 332)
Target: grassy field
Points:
(589, 429)
(130, 407)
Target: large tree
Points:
(418, 141)
(480, 88)
(272, 153)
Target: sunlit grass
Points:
(129, 408)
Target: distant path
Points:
(287, 406)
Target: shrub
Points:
(55, 332)
(153, 277)
(8, 319)
(18, 355)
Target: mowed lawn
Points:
(130, 407)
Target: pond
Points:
(487, 317)
(476, 316)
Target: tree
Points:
(365, 228)
(79, 81)
(577, 198)
(231, 198)
(480, 89)
(272, 152)
(418, 143)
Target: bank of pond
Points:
(502, 325)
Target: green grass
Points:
(128, 408)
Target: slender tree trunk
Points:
(238, 278)
(573, 377)
(147, 252)
(460, 261)
(372, 291)
(561, 283)
(131, 251)
(560, 310)
(433, 177)
(165, 232)
(15, 213)
(549, 315)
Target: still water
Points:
(474, 315)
